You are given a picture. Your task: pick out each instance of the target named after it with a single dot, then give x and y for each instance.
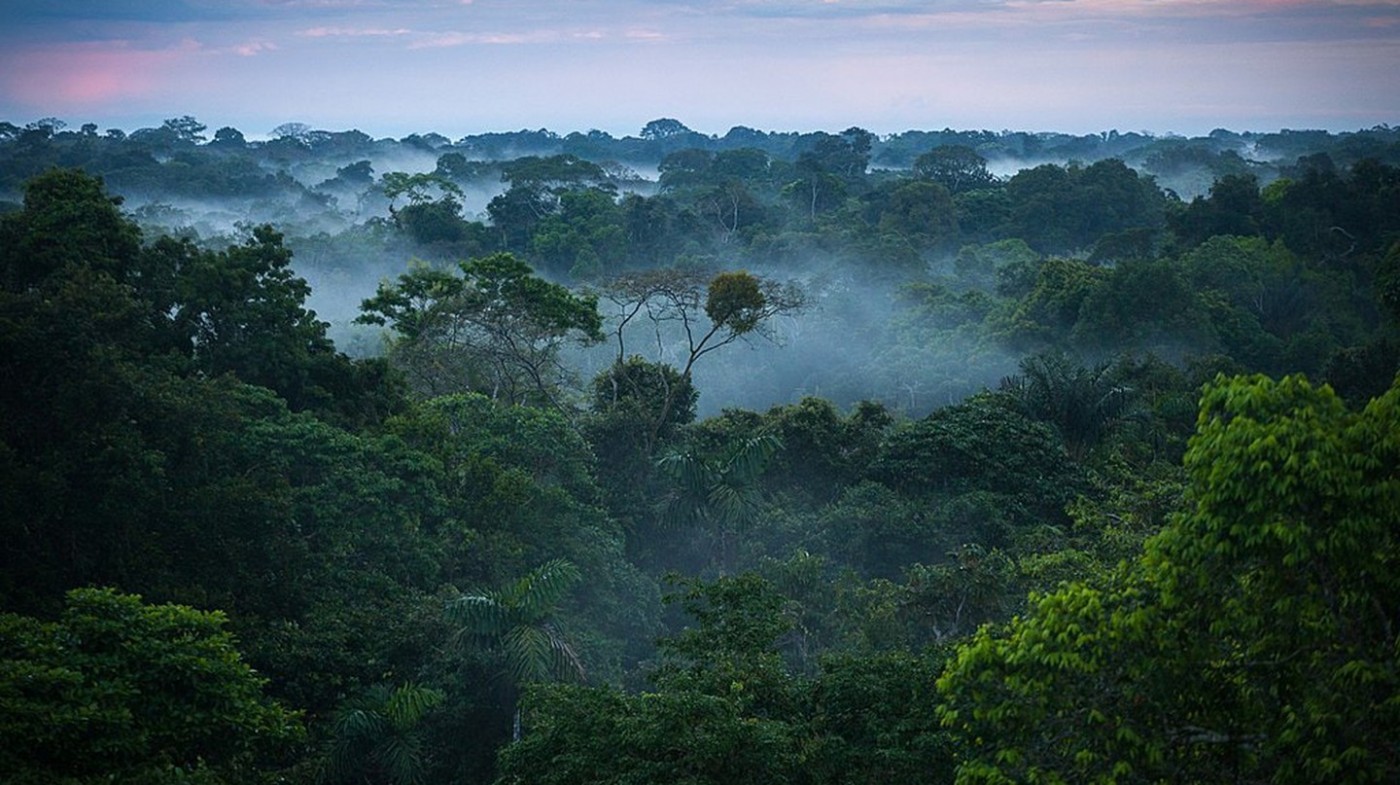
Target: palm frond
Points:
(747, 459)
(539, 591)
(541, 653)
(401, 758)
(352, 725)
(529, 654)
(408, 704)
(482, 615)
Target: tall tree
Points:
(708, 313)
(958, 168)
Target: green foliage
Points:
(1061, 210)
(637, 388)
(877, 530)
(68, 220)
(871, 720)
(822, 451)
(1047, 313)
(120, 691)
(957, 168)
(377, 736)
(735, 301)
(1143, 306)
(584, 238)
(922, 213)
(517, 619)
(1272, 598)
(417, 187)
(1084, 404)
(982, 445)
(600, 735)
(721, 493)
(725, 709)
(517, 626)
(175, 421)
(497, 329)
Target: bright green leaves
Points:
(1255, 636)
(116, 688)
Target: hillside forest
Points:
(771, 457)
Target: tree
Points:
(921, 212)
(1233, 207)
(1272, 598)
(244, 312)
(1063, 209)
(735, 305)
(68, 220)
(120, 691)
(518, 623)
(957, 168)
(982, 444)
(638, 389)
(298, 132)
(417, 187)
(1048, 313)
(230, 137)
(1084, 404)
(536, 191)
(584, 237)
(720, 492)
(378, 736)
(663, 128)
(185, 129)
(871, 720)
(497, 328)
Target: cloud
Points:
(352, 32)
(254, 48)
(69, 76)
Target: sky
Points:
(458, 67)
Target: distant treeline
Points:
(26, 150)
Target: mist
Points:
(861, 336)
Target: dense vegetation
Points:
(1031, 486)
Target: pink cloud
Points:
(76, 75)
(253, 48)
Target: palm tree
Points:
(518, 622)
(1084, 404)
(721, 492)
(375, 737)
